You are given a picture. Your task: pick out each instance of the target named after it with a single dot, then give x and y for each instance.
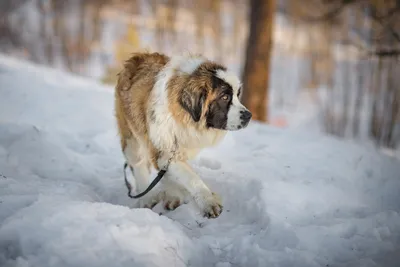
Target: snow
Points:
(291, 198)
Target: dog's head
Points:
(212, 97)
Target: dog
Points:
(169, 108)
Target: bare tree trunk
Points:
(376, 122)
(60, 34)
(313, 81)
(345, 90)
(258, 57)
(359, 96)
(45, 43)
(171, 34)
(217, 29)
(329, 119)
(10, 36)
(362, 81)
(393, 139)
(391, 105)
(160, 20)
(236, 28)
(95, 20)
(199, 16)
(81, 43)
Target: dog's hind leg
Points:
(141, 172)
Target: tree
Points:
(258, 57)
(9, 34)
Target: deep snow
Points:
(291, 198)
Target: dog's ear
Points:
(192, 101)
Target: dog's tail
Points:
(127, 74)
(126, 77)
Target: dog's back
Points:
(132, 91)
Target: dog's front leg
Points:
(181, 173)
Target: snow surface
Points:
(291, 198)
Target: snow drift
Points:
(291, 198)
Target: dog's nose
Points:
(245, 116)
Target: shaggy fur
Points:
(183, 103)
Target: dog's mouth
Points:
(237, 127)
(244, 125)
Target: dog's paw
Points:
(173, 197)
(171, 202)
(210, 204)
(149, 201)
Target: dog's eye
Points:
(225, 97)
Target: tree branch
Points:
(330, 14)
(385, 53)
(390, 13)
(380, 20)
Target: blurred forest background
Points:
(324, 65)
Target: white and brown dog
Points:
(168, 109)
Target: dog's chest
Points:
(192, 143)
(193, 139)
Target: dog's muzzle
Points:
(245, 117)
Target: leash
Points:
(159, 176)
